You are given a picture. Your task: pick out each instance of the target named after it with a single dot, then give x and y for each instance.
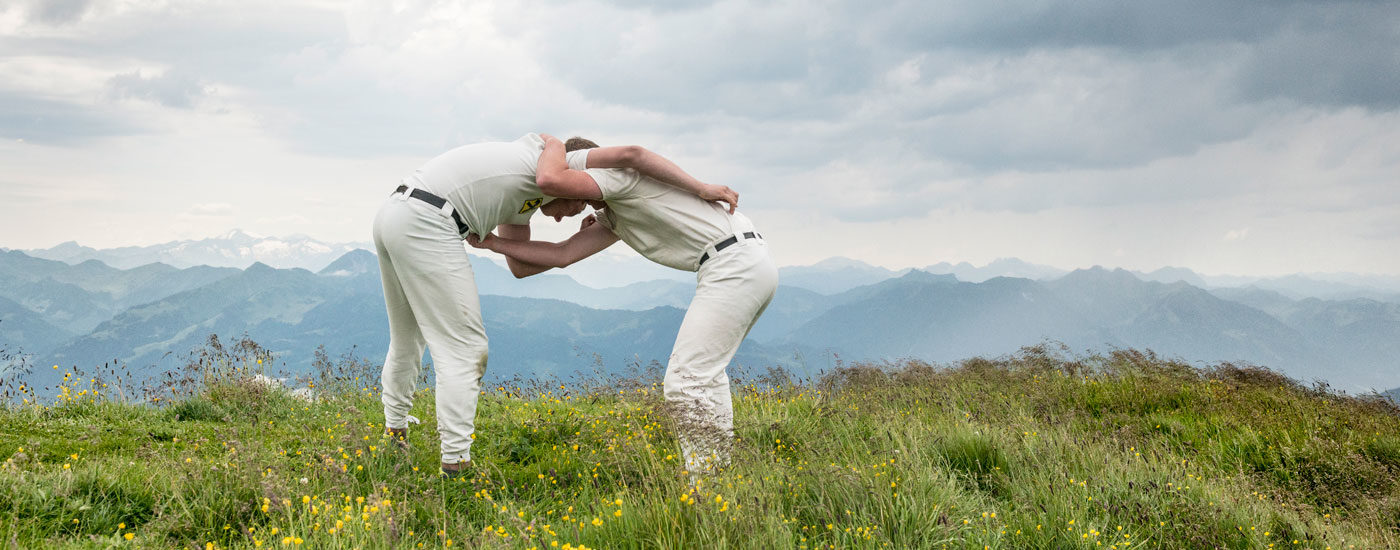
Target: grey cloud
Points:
(213, 43)
(1055, 86)
(659, 6)
(261, 51)
(56, 12)
(51, 122)
(1132, 26)
(172, 89)
(1169, 78)
(1319, 53)
(1342, 61)
(1035, 114)
(766, 62)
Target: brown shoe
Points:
(400, 437)
(454, 471)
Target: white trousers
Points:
(733, 288)
(430, 293)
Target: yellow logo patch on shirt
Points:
(530, 205)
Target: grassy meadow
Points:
(1036, 450)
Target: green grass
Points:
(1032, 451)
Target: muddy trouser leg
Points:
(733, 289)
(430, 293)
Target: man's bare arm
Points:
(518, 268)
(662, 169)
(555, 179)
(540, 256)
(553, 173)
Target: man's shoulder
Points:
(615, 180)
(488, 159)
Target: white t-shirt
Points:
(489, 183)
(667, 225)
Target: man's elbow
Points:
(522, 270)
(631, 155)
(549, 184)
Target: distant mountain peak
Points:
(838, 262)
(1000, 267)
(239, 235)
(1171, 274)
(836, 274)
(354, 262)
(917, 275)
(1102, 274)
(1007, 262)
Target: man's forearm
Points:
(662, 169)
(537, 253)
(589, 240)
(522, 269)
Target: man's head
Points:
(563, 208)
(577, 143)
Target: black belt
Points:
(437, 202)
(725, 244)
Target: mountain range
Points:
(235, 248)
(148, 316)
(618, 267)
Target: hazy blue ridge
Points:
(835, 275)
(63, 305)
(938, 319)
(1182, 320)
(25, 332)
(1272, 302)
(551, 324)
(143, 336)
(1362, 337)
(79, 297)
(293, 311)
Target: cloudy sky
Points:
(1229, 137)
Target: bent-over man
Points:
(429, 289)
(735, 280)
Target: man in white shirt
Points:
(735, 274)
(429, 289)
